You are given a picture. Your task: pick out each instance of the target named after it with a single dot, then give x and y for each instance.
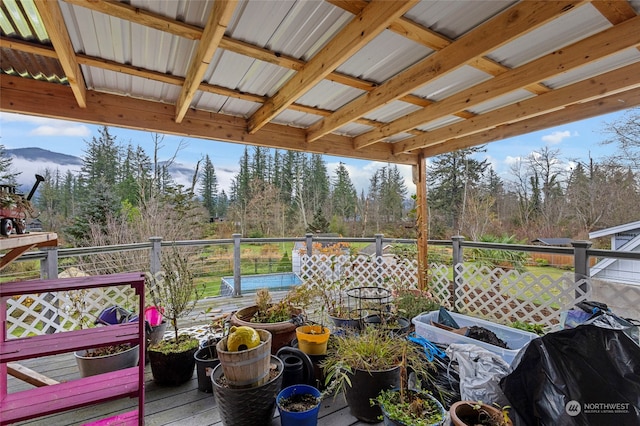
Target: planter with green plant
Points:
(281, 318)
(107, 358)
(404, 406)
(172, 360)
(476, 413)
(365, 363)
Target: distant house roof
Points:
(615, 230)
(553, 241)
(370, 249)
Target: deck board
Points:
(180, 405)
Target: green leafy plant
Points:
(530, 327)
(406, 405)
(370, 349)
(291, 305)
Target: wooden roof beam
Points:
(600, 45)
(213, 31)
(621, 79)
(580, 111)
(26, 96)
(53, 22)
(519, 19)
(373, 19)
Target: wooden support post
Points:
(420, 179)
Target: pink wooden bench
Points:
(70, 395)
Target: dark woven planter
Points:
(251, 406)
(173, 368)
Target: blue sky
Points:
(576, 140)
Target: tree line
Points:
(289, 193)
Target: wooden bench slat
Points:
(69, 395)
(52, 344)
(125, 419)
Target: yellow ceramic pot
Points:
(313, 339)
(242, 338)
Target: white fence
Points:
(495, 294)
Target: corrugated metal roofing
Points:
(268, 45)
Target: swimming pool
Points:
(251, 283)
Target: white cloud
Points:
(557, 137)
(28, 170)
(509, 160)
(361, 176)
(48, 126)
(61, 129)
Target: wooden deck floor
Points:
(181, 405)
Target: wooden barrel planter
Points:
(248, 368)
(282, 332)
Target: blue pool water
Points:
(252, 283)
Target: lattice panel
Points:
(35, 314)
(507, 296)
(359, 271)
(439, 284)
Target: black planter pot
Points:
(249, 406)
(396, 325)
(173, 368)
(366, 385)
(206, 360)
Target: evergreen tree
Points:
(7, 175)
(97, 209)
(448, 177)
(344, 196)
(393, 193)
(101, 164)
(209, 187)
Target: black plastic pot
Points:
(172, 368)
(400, 325)
(249, 406)
(366, 385)
(206, 360)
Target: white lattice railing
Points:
(508, 296)
(33, 314)
(502, 296)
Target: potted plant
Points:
(281, 319)
(362, 364)
(107, 358)
(404, 406)
(313, 339)
(299, 405)
(472, 413)
(172, 360)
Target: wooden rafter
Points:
(606, 105)
(25, 96)
(515, 21)
(214, 30)
(621, 79)
(600, 45)
(53, 22)
(373, 19)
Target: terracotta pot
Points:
(463, 413)
(283, 332)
